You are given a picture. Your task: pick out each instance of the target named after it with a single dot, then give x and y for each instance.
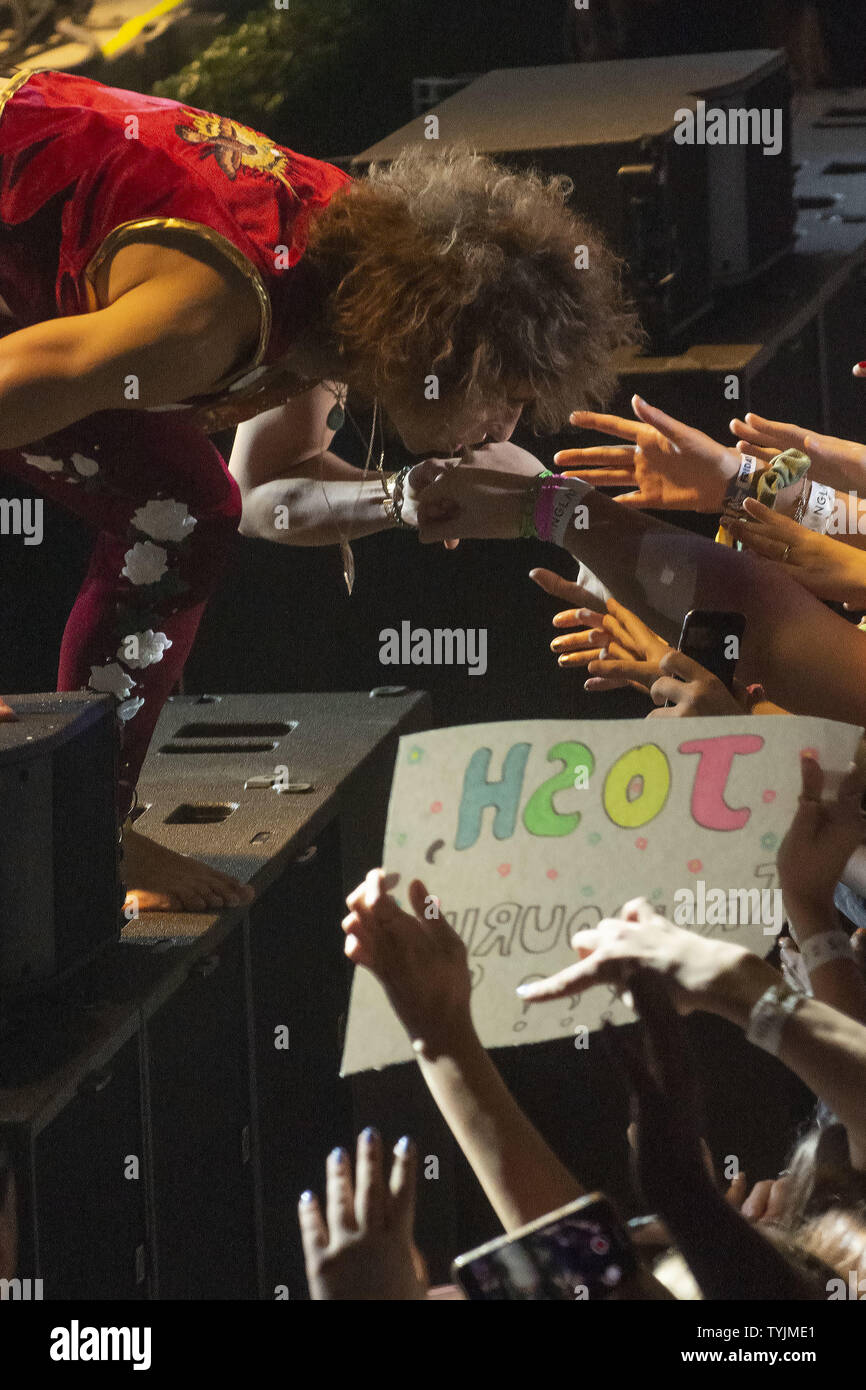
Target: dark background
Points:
(282, 620)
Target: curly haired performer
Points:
(165, 271)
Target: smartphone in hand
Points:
(713, 640)
(582, 1251)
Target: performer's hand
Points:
(416, 481)
(672, 466)
(419, 960)
(697, 692)
(7, 715)
(365, 1250)
(827, 567)
(502, 457)
(470, 501)
(839, 462)
(483, 492)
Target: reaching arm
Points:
(520, 1174)
(809, 660)
(838, 462)
(826, 1049)
(421, 964)
(810, 862)
(729, 1258)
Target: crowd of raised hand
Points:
(796, 1235)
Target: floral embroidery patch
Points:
(85, 466)
(111, 680)
(43, 462)
(146, 563)
(129, 709)
(140, 649)
(164, 520)
(234, 147)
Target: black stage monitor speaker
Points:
(60, 897)
(638, 139)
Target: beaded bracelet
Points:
(395, 494)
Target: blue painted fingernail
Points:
(370, 1135)
(403, 1145)
(307, 1197)
(338, 1155)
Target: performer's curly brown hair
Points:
(453, 264)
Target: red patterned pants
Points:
(165, 512)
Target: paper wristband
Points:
(740, 486)
(769, 1016)
(558, 500)
(819, 508)
(793, 968)
(828, 945)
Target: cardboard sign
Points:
(528, 832)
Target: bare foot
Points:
(161, 880)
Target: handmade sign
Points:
(528, 832)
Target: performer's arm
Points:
(169, 337)
(296, 491)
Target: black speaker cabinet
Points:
(60, 897)
(71, 1118)
(682, 212)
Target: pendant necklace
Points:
(336, 418)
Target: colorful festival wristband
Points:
(740, 486)
(819, 508)
(527, 518)
(558, 500)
